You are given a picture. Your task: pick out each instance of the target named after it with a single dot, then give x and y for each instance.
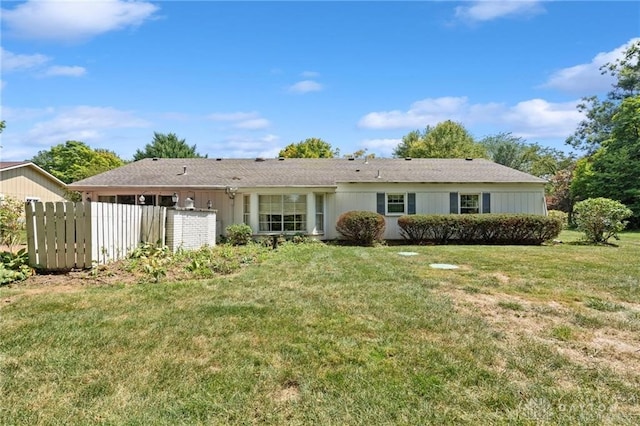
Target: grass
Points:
(322, 334)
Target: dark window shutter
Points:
(380, 203)
(411, 203)
(453, 202)
(486, 202)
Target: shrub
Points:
(561, 216)
(479, 228)
(600, 218)
(361, 227)
(14, 266)
(239, 234)
(11, 221)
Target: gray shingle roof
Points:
(212, 173)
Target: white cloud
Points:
(246, 147)
(535, 118)
(382, 147)
(16, 62)
(310, 74)
(425, 112)
(306, 86)
(585, 79)
(65, 71)
(84, 123)
(73, 20)
(487, 10)
(242, 120)
(253, 124)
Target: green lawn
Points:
(325, 334)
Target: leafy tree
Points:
(445, 140)
(611, 133)
(2, 126)
(75, 160)
(309, 148)
(597, 126)
(361, 153)
(167, 146)
(600, 218)
(559, 196)
(515, 152)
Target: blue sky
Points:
(245, 79)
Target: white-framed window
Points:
(246, 209)
(469, 203)
(396, 204)
(282, 213)
(320, 212)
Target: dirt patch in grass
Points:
(605, 346)
(289, 392)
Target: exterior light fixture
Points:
(174, 199)
(141, 199)
(231, 192)
(209, 204)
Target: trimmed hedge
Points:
(362, 228)
(510, 229)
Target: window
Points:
(246, 209)
(469, 203)
(106, 198)
(286, 213)
(319, 212)
(396, 203)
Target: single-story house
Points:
(300, 195)
(25, 181)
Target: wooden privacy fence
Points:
(67, 235)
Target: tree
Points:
(75, 160)
(361, 153)
(611, 133)
(597, 126)
(2, 126)
(445, 140)
(515, 152)
(167, 146)
(309, 148)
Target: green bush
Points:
(11, 222)
(600, 218)
(14, 266)
(361, 227)
(479, 228)
(560, 215)
(239, 234)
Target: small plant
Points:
(239, 234)
(152, 259)
(600, 218)
(14, 266)
(562, 332)
(361, 227)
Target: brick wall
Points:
(190, 229)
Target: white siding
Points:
(434, 199)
